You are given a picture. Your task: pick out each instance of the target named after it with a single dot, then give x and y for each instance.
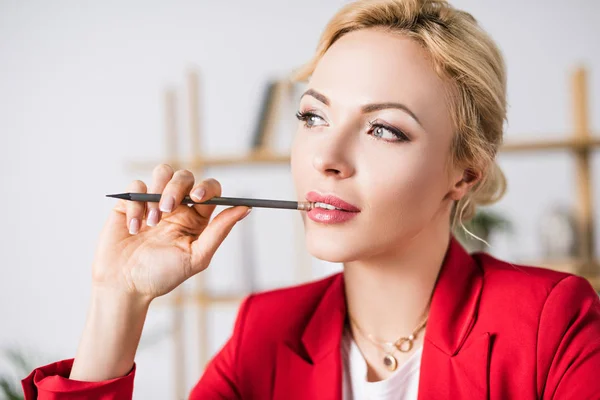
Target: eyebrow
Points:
(367, 108)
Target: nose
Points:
(333, 156)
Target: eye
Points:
(310, 119)
(387, 133)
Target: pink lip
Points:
(321, 215)
(333, 200)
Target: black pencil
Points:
(221, 201)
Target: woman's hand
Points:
(148, 249)
(144, 253)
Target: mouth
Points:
(330, 202)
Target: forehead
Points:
(372, 65)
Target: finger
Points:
(135, 210)
(176, 189)
(205, 190)
(204, 248)
(161, 175)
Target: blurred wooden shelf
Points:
(206, 299)
(595, 282)
(257, 157)
(571, 143)
(266, 157)
(571, 265)
(201, 298)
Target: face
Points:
(375, 131)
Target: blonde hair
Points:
(462, 54)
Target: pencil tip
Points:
(124, 196)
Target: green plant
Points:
(10, 383)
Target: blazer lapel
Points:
(463, 376)
(312, 369)
(455, 362)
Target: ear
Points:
(461, 187)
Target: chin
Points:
(332, 249)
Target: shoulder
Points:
(519, 289)
(509, 276)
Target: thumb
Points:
(204, 248)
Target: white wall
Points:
(80, 96)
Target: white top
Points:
(403, 384)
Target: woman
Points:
(399, 129)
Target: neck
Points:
(388, 295)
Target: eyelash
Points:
(305, 115)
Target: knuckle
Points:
(213, 183)
(137, 185)
(184, 174)
(163, 170)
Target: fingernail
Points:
(152, 217)
(166, 204)
(134, 226)
(198, 194)
(245, 215)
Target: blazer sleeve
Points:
(568, 348)
(220, 379)
(51, 382)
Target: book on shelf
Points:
(269, 114)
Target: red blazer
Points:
(495, 331)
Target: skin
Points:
(393, 249)
(135, 262)
(391, 252)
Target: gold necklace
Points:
(403, 344)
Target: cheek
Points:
(403, 185)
